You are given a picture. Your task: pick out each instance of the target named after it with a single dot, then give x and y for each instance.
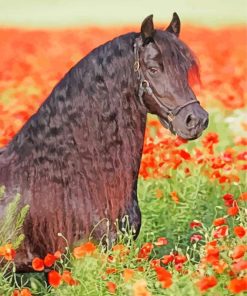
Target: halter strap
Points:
(144, 87)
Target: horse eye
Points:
(153, 70)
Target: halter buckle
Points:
(136, 66)
(170, 117)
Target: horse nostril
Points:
(190, 121)
(205, 122)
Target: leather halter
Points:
(144, 87)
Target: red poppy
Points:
(219, 221)
(239, 231)
(145, 251)
(206, 283)
(195, 224)
(49, 260)
(161, 241)
(54, 278)
(220, 231)
(196, 237)
(238, 285)
(22, 292)
(128, 274)
(38, 264)
(111, 287)
(163, 276)
(67, 278)
(167, 259)
(84, 249)
(180, 259)
(110, 270)
(232, 211)
(174, 196)
(239, 265)
(7, 252)
(243, 196)
(238, 252)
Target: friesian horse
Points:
(76, 160)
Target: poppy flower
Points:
(206, 283)
(84, 249)
(111, 287)
(145, 251)
(140, 288)
(239, 266)
(239, 231)
(196, 237)
(161, 241)
(243, 196)
(110, 270)
(180, 259)
(38, 264)
(128, 274)
(174, 196)
(167, 259)
(22, 292)
(67, 278)
(7, 252)
(195, 224)
(232, 211)
(238, 252)
(49, 260)
(163, 276)
(220, 266)
(54, 278)
(219, 221)
(238, 285)
(220, 231)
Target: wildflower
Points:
(7, 252)
(174, 196)
(238, 285)
(140, 288)
(111, 287)
(57, 255)
(163, 276)
(206, 283)
(128, 274)
(54, 278)
(212, 254)
(195, 224)
(243, 196)
(219, 221)
(220, 266)
(38, 264)
(221, 231)
(111, 270)
(239, 266)
(155, 262)
(180, 259)
(161, 241)
(145, 251)
(238, 252)
(67, 278)
(22, 292)
(195, 237)
(232, 211)
(167, 259)
(239, 231)
(49, 260)
(229, 199)
(84, 249)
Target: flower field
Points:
(192, 195)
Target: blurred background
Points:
(64, 13)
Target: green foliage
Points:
(12, 221)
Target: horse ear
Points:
(174, 26)
(147, 29)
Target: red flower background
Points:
(33, 61)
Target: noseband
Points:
(144, 87)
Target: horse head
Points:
(163, 64)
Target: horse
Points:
(76, 160)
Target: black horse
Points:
(76, 161)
